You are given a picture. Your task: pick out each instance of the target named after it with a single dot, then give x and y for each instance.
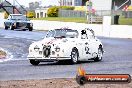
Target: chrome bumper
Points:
(49, 59)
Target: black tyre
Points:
(12, 27)
(74, 56)
(24, 29)
(6, 28)
(30, 29)
(34, 62)
(100, 54)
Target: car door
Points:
(86, 47)
(93, 46)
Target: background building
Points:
(71, 2)
(98, 4)
(41, 12)
(34, 5)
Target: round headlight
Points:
(14, 24)
(57, 48)
(36, 48)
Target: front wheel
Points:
(100, 54)
(12, 27)
(6, 28)
(74, 56)
(34, 62)
(30, 29)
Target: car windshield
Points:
(63, 33)
(18, 17)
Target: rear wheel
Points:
(34, 62)
(100, 54)
(74, 56)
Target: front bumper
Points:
(23, 25)
(48, 59)
(19, 25)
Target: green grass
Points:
(64, 19)
(122, 20)
(125, 21)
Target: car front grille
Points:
(8, 24)
(46, 51)
(22, 24)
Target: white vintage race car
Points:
(66, 44)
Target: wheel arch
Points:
(76, 49)
(101, 46)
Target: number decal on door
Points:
(87, 50)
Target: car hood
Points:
(51, 41)
(18, 21)
(23, 21)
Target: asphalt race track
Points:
(117, 58)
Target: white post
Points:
(13, 2)
(73, 2)
(106, 26)
(89, 9)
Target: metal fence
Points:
(108, 12)
(72, 13)
(128, 14)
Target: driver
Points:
(83, 34)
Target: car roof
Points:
(63, 29)
(66, 29)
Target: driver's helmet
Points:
(83, 34)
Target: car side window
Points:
(84, 34)
(50, 34)
(90, 34)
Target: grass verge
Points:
(122, 20)
(125, 21)
(64, 19)
(2, 54)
